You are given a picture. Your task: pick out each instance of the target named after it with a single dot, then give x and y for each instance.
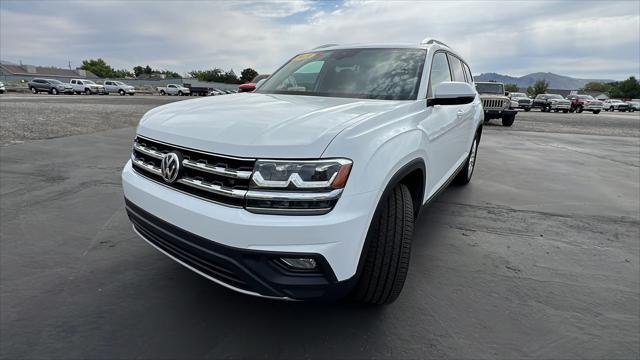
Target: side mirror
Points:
(506, 93)
(260, 82)
(452, 93)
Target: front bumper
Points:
(250, 242)
(560, 106)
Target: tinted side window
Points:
(467, 73)
(439, 71)
(456, 69)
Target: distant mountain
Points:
(556, 81)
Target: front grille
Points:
(213, 177)
(493, 103)
(524, 102)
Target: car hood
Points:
(259, 125)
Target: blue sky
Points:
(585, 39)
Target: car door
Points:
(109, 86)
(463, 131)
(439, 124)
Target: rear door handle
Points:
(460, 113)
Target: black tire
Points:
(180, 93)
(632, 109)
(87, 91)
(388, 248)
(34, 90)
(464, 176)
(596, 112)
(121, 92)
(162, 92)
(547, 108)
(556, 110)
(131, 94)
(508, 120)
(565, 111)
(527, 109)
(579, 109)
(54, 91)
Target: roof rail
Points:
(324, 46)
(429, 41)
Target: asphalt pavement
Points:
(539, 257)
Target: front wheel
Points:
(87, 92)
(565, 111)
(121, 92)
(387, 249)
(54, 91)
(579, 109)
(180, 93)
(547, 108)
(508, 120)
(163, 93)
(596, 112)
(527, 109)
(34, 90)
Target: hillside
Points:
(555, 81)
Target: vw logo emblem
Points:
(170, 167)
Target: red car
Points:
(250, 86)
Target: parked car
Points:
(520, 101)
(615, 104)
(3, 89)
(174, 89)
(580, 103)
(634, 105)
(87, 87)
(112, 86)
(308, 191)
(549, 102)
(250, 86)
(198, 90)
(495, 102)
(51, 86)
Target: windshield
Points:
(389, 74)
(88, 82)
(258, 78)
(586, 97)
(119, 83)
(554, 96)
(518, 95)
(490, 88)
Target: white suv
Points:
(308, 187)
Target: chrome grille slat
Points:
(148, 151)
(216, 189)
(146, 166)
(238, 174)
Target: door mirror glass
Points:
(452, 93)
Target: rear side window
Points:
(439, 71)
(456, 69)
(467, 73)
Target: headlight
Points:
(297, 187)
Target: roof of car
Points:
(398, 45)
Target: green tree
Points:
(511, 88)
(247, 75)
(627, 89)
(597, 86)
(216, 75)
(103, 70)
(540, 87)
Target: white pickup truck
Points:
(173, 89)
(86, 86)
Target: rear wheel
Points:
(464, 176)
(388, 247)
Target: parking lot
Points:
(538, 257)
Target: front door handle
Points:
(460, 113)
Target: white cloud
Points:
(596, 40)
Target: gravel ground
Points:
(35, 117)
(537, 258)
